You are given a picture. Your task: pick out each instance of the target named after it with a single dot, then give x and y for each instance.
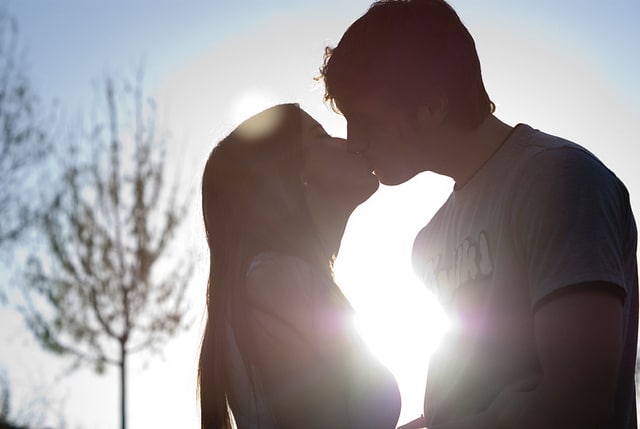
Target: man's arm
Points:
(579, 344)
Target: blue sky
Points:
(568, 67)
(71, 41)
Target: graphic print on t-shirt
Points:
(470, 262)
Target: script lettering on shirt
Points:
(470, 262)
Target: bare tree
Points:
(22, 138)
(27, 415)
(108, 228)
(5, 398)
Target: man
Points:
(533, 254)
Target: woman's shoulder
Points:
(274, 263)
(272, 274)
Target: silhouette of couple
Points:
(533, 255)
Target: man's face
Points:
(387, 137)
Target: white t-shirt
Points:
(542, 214)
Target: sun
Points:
(409, 330)
(249, 102)
(400, 321)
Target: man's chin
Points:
(391, 180)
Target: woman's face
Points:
(330, 169)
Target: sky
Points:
(567, 67)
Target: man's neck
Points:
(469, 151)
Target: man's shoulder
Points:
(532, 142)
(540, 157)
(536, 143)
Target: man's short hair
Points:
(405, 52)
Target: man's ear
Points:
(433, 112)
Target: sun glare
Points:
(402, 324)
(248, 103)
(401, 321)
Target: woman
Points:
(279, 347)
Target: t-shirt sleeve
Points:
(570, 222)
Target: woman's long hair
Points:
(252, 201)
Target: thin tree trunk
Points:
(123, 387)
